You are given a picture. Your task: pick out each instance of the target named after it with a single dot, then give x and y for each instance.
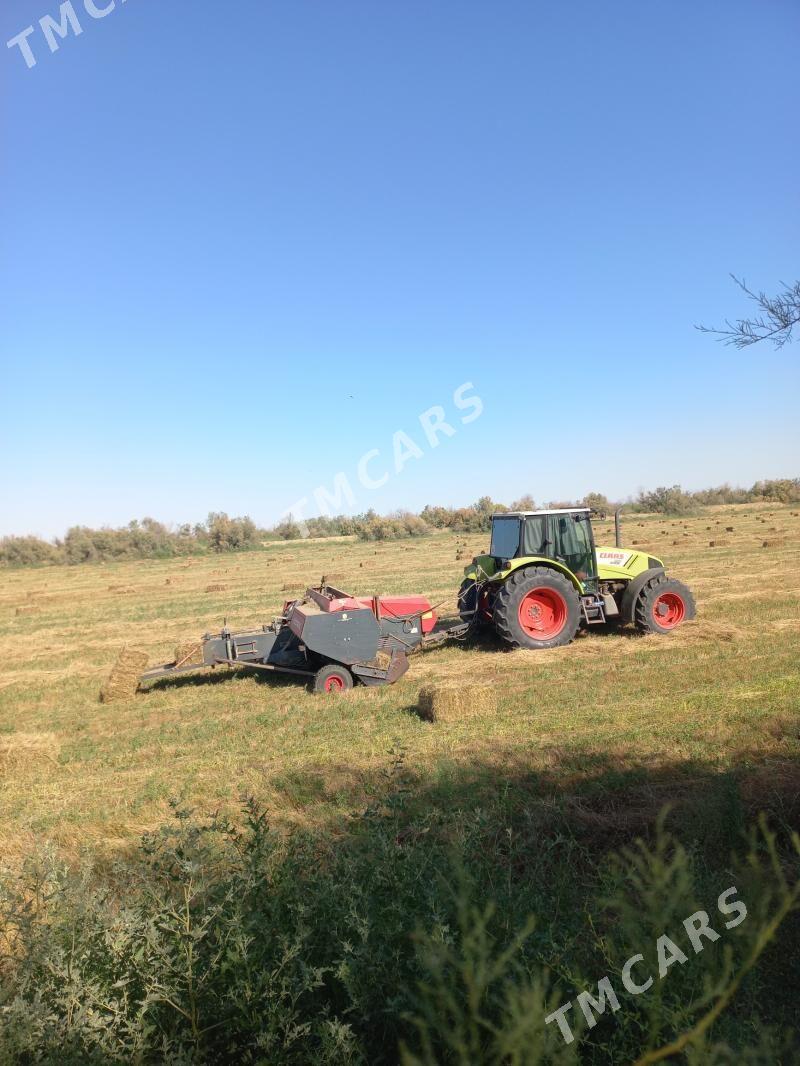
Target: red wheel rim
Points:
(334, 683)
(543, 613)
(668, 610)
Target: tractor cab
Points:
(562, 535)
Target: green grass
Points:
(587, 745)
(722, 691)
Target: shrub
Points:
(426, 932)
(598, 502)
(230, 534)
(784, 490)
(28, 551)
(672, 501)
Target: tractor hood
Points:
(623, 563)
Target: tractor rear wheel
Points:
(663, 604)
(537, 608)
(333, 678)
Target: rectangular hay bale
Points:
(450, 702)
(123, 681)
(19, 750)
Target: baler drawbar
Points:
(328, 636)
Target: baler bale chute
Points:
(328, 637)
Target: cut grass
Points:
(708, 696)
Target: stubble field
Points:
(615, 725)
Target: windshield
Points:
(505, 538)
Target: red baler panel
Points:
(391, 607)
(400, 606)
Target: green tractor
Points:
(543, 577)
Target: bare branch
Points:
(778, 316)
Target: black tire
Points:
(663, 604)
(333, 679)
(556, 589)
(468, 604)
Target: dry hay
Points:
(381, 661)
(28, 609)
(26, 749)
(123, 681)
(189, 652)
(708, 632)
(122, 590)
(216, 588)
(454, 701)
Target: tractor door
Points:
(573, 545)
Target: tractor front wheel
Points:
(333, 678)
(537, 608)
(663, 604)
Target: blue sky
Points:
(244, 245)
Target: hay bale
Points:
(27, 749)
(729, 529)
(774, 543)
(28, 609)
(290, 588)
(451, 702)
(718, 543)
(381, 660)
(216, 588)
(122, 590)
(189, 652)
(123, 681)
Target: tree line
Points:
(149, 539)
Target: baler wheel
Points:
(663, 604)
(333, 679)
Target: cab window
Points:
(505, 538)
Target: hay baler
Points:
(331, 638)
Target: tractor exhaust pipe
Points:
(617, 528)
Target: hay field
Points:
(651, 712)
